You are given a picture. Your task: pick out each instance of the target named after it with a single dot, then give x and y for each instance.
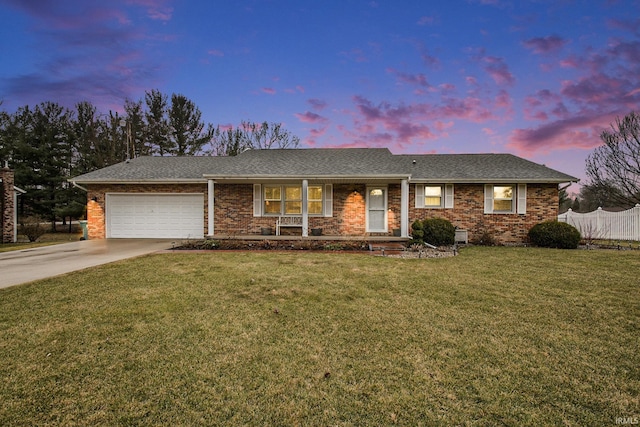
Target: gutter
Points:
(76, 185)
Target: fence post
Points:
(598, 220)
(636, 222)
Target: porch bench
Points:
(288, 221)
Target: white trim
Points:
(419, 196)
(488, 198)
(210, 207)
(257, 200)
(448, 196)
(328, 201)
(404, 208)
(305, 208)
(522, 199)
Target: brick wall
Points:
(234, 210)
(6, 206)
(468, 212)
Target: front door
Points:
(376, 209)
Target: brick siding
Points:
(234, 210)
(468, 212)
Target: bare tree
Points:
(248, 135)
(616, 163)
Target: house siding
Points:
(233, 215)
(468, 212)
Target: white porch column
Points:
(305, 208)
(404, 208)
(210, 207)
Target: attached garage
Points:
(178, 216)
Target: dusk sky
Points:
(539, 79)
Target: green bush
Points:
(554, 234)
(435, 231)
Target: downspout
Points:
(79, 186)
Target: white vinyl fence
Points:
(604, 225)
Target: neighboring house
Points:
(351, 192)
(8, 206)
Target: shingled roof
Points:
(327, 163)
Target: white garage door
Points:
(155, 216)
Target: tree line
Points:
(47, 143)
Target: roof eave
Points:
(138, 181)
(495, 181)
(301, 177)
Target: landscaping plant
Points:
(554, 234)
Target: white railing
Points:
(601, 224)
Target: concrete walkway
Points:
(27, 265)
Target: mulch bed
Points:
(393, 251)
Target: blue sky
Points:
(540, 79)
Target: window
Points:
(314, 199)
(433, 196)
(287, 200)
(293, 201)
(503, 198)
(272, 200)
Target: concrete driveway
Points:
(27, 265)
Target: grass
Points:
(495, 336)
(45, 240)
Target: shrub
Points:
(32, 227)
(554, 234)
(486, 238)
(435, 231)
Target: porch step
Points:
(386, 248)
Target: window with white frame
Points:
(505, 198)
(272, 200)
(434, 196)
(314, 199)
(287, 200)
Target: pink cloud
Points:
(412, 79)
(569, 62)
(544, 45)
(580, 131)
(215, 52)
(632, 26)
(309, 117)
(498, 70)
(317, 104)
(268, 90)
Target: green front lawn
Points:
(495, 336)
